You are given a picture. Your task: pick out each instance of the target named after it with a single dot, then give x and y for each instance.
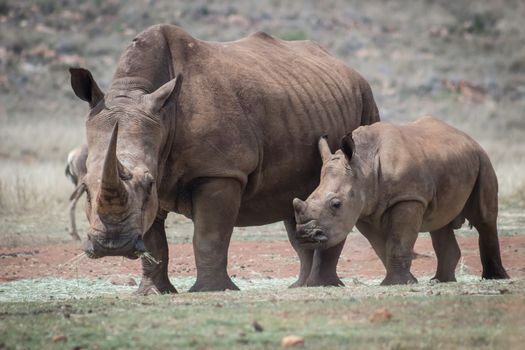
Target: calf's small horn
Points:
(299, 205)
(324, 148)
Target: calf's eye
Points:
(335, 203)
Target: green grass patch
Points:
(476, 314)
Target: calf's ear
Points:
(348, 146)
(324, 148)
(169, 92)
(85, 86)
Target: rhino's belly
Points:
(445, 208)
(272, 201)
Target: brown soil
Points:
(247, 259)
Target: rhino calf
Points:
(394, 181)
(75, 171)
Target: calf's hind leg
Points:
(404, 221)
(306, 256)
(447, 252)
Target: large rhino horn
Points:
(111, 187)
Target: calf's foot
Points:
(324, 267)
(399, 278)
(444, 278)
(324, 281)
(299, 283)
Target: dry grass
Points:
(32, 187)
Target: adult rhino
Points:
(231, 146)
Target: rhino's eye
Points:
(335, 203)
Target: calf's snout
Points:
(310, 233)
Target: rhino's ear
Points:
(348, 146)
(324, 148)
(167, 93)
(85, 86)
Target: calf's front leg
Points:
(324, 267)
(215, 206)
(403, 224)
(306, 256)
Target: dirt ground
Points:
(247, 259)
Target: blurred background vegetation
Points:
(462, 61)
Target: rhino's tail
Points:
(370, 113)
(482, 205)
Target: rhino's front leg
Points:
(404, 221)
(306, 256)
(215, 205)
(155, 276)
(324, 267)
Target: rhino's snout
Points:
(320, 236)
(311, 233)
(129, 248)
(317, 236)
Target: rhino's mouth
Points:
(129, 248)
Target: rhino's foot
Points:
(297, 284)
(148, 287)
(495, 273)
(444, 278)
(324, 281)
(213, 285)
(398, 278)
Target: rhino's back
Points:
(292, 93)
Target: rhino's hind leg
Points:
(447, 252)
(324, 267)
(490, 252)
(404, 221)
(306, 256)
(155, 276)
(481, 211)
(215, 205)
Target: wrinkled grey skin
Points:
(231, 145)
(394, 181)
